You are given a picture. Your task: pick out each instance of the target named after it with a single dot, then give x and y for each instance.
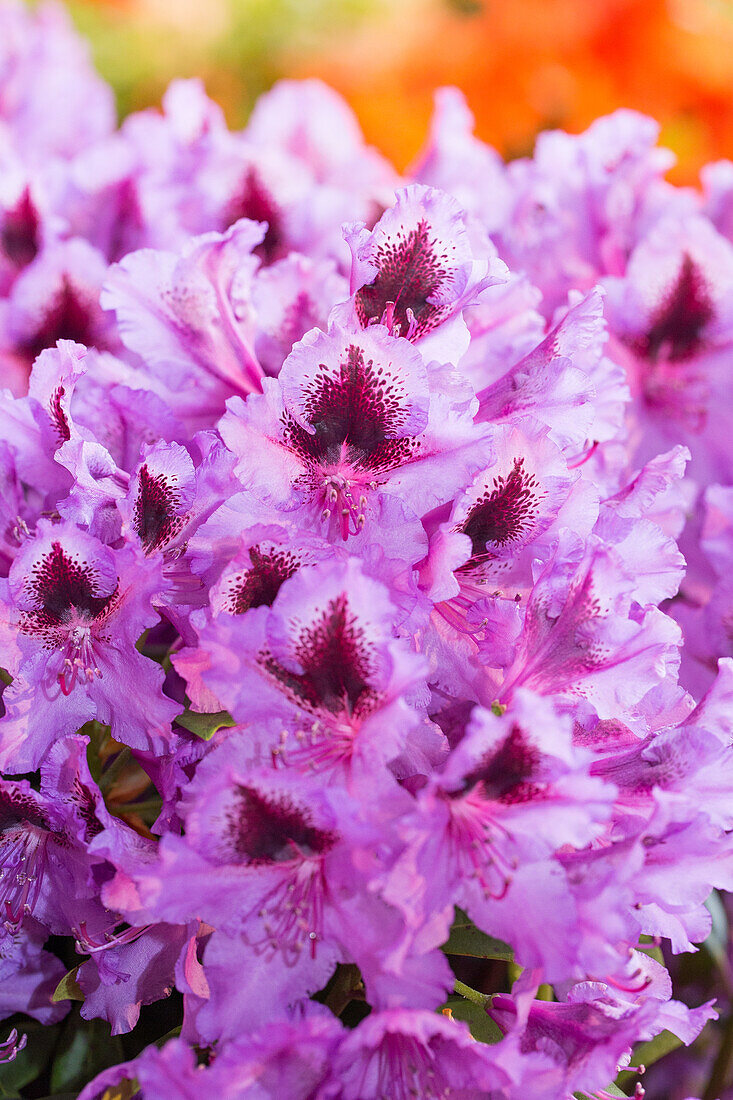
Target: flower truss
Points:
(366, 613)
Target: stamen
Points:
(12, 1046)
(88, 945)
(582, 459)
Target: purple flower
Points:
(56, 297)
(415, 272)
(475, 840)
(670, 316)
(193, 324)
(405, 1053)
(352, 416)
(291, 1055)
(322, 662)
(72, 611)
(53, 103)
(47, 872)
(581, 630)
(344, 576)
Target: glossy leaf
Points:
(481, 1025)
(84, 1050)
(204, 725)
(466, 939)
(68, 988)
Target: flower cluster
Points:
(336, 514)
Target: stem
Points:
(135, 807)
(473, 995)
(719, 1078)
(109, 775)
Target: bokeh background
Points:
(525, 65)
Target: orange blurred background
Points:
(524, 65)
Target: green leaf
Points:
(68, 988)
(86, 1048)
(174, 1033)
(466, 939)
(717, 942)
(127, 1089)
(610, 1090)
(204, 725)
(481, 1026)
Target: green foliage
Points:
(85, 1048)
(466, 939)
(611, 1090)
(68, 988)
(481, 1025)
(204, 725)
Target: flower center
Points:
(259, 585)
(336, 663)
(678, 326)
(502, 513)
(410, 272)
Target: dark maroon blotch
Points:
(18, 808)
(155, 517)
(68, 316)
(355, 417)
(271, 828)
(62, 587)
(336, 664)
(410, 273)
(503, 774)
(19, 233)
(259, 585)
(503, 511)
(254, 201)
(678, 326)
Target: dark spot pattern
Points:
(259, 585)
(62, 587)
(86, 808)
(272, 828)
(336, 660)
(503, 512)
(18, 808)
(355, 416)
(155, 514)
(411, 271)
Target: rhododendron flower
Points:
(415, 272)
(320, 661)
(72, 611)
(365, 600)
(352, 416)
